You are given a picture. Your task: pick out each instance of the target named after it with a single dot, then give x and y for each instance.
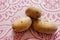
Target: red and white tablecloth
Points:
(11, 10)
